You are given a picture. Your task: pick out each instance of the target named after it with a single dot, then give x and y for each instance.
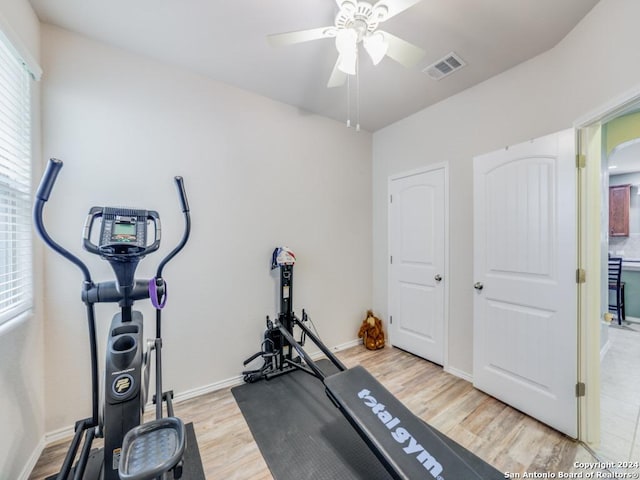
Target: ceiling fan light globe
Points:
(346, 39)
(347, 64)
(347, 46)
(376, 46)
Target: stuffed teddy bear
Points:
(371, 332)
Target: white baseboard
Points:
(60, 434)
(33, 459)
(344, 346)
(459, 373)
(212, 387)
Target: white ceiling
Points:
(226, 40)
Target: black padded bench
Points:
(407, 446)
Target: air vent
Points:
(445, 66)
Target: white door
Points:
(417, 270)
(525, 258)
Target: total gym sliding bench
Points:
(407, 446)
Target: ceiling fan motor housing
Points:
(362, 17)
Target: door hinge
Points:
(390, 319)
(581, 389)
(390, 198)
(581, 160)
(581, 275)
(390, 258)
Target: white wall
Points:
(258, 174)
(596, 62)
(21, 347)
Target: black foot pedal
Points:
(152, 449)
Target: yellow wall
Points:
(621, 130)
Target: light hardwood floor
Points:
(502, 436)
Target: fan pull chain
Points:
(348, 102)
(357, 93)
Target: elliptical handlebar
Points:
(49, 179)
(42, 196)
(187, 227)
(182, 193)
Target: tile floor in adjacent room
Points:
(620, 395)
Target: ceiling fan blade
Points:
(338, 77)
(394, 7)
(403, 52)
(289, 38)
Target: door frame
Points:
(445, 310)
(589, 258)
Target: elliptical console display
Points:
(123, 232)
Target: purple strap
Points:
(158, 301)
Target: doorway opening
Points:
(620, 351)
(609, 229)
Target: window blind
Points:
(15, 185)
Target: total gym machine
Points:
(132, 450)
(406, 445)
(276, 352)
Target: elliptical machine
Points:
(132, 450)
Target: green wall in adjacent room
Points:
(631, 298)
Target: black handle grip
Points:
(42, 195)
(187, 226)
(182, 193)
(49, 179)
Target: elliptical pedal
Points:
(153, 449)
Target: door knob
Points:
(478, 286)
(438, 277)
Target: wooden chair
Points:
(616, 285)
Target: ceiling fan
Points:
(357, 22)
